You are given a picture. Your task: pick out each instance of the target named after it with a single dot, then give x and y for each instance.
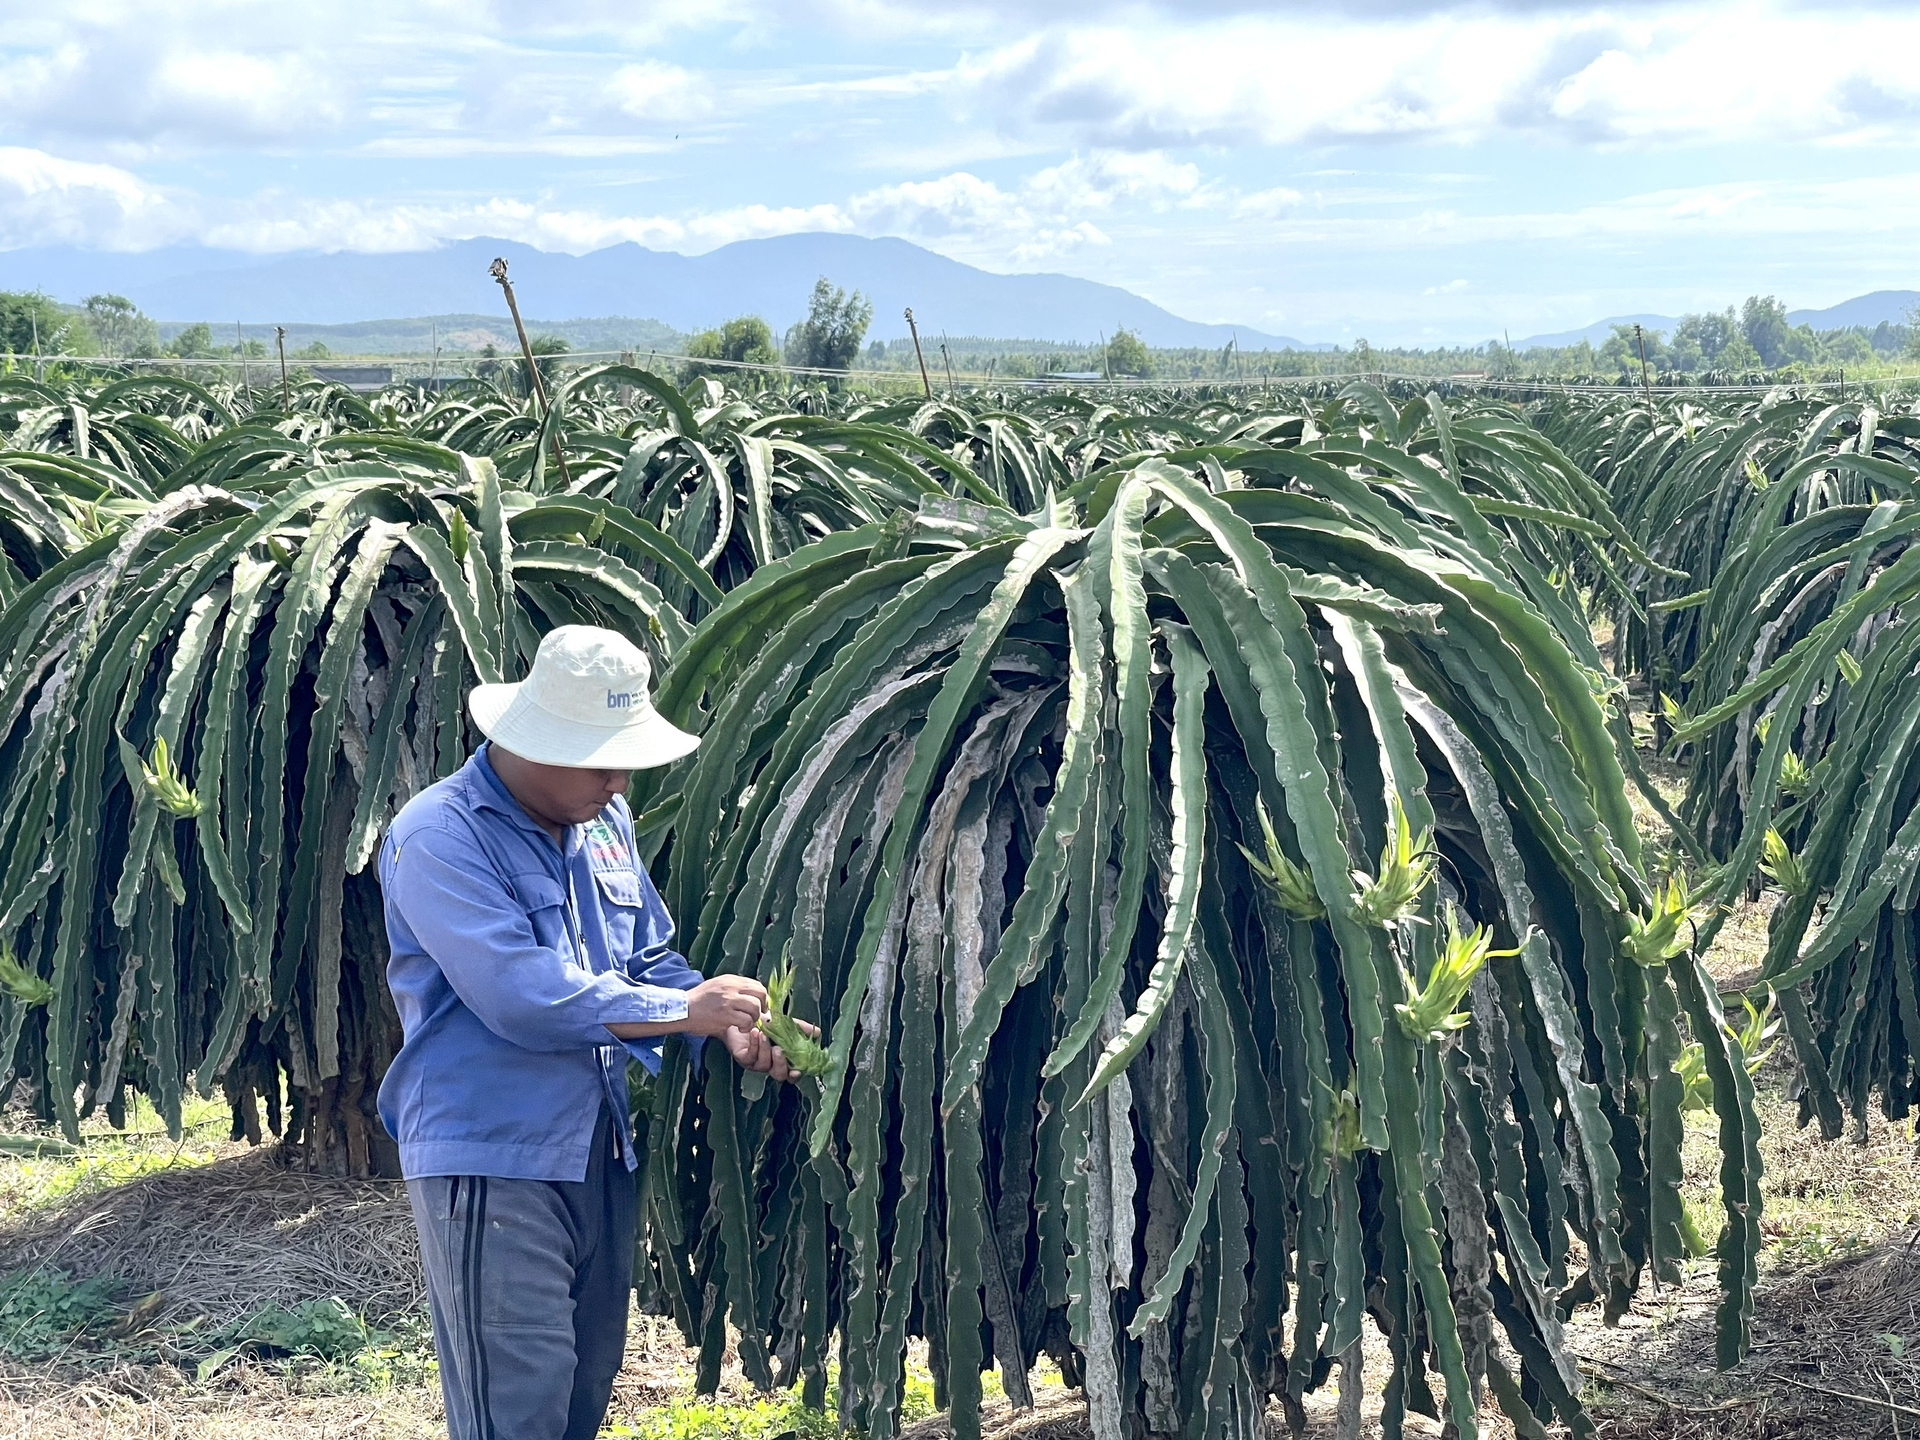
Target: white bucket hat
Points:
(584, 704)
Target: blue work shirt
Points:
(510, 954)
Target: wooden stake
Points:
(240, 349)
(499, 272)
(925, 384)
(280, 343)
(947, 360)
(1646, 385)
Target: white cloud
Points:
(174, 76)
(1665, 74)
(45, 200)
(1080, 203)
(1272, 204)
(1048, 214)
(140, 92)
(660, 95)
(290, 224)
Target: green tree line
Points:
(1754, 340)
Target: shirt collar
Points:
(491, 793)
(491, 790)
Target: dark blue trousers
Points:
(529, 1284)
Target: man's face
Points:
(571, 796)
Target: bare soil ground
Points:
(217, 1232)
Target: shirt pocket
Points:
(545, 901)
(620, 904)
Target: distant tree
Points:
(121, 328)
(32, 324)
(1848, 347)
(1763, 320)
(1699, 340)
(546, 352)
(194, 342)
(1889, 339)
(830, 336)
(745, 340)
(1622, 350)
(1739, 357)
(877, 354)
(1127, 355)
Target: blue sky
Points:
(1402, 170)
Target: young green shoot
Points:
(1657, 937)
(1781, 865)
(803, 1052)
(1429, 1013)
(1796, 778)
(1757, 1039)
(1292, 884)
(1406, 869)
(166, 786)
(20, 982)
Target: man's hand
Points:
(723, 1005)
(754, 1051)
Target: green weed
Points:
(42, 1312)
(772, 1417)
(694, 1418)
(327, 1328)
(35, 1175)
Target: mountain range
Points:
(1869, 310)
(676, 293)
(771, 278)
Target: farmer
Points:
(531, 956)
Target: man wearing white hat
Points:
(531, 955)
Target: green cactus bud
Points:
(1406, 869)
(1292, 884)
(803, 1052)
(20, 982)
(1654, 939)
(166, 786)
(1429, 1012)
(1781, 865)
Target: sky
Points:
(1410, 171)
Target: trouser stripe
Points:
(476, 1228)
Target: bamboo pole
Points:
(499, 272)
(1646, 385)
(925, 383)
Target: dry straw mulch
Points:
(224, 1239)
(1836, 1354)
(1837, 1341)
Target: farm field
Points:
(1319, 899)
